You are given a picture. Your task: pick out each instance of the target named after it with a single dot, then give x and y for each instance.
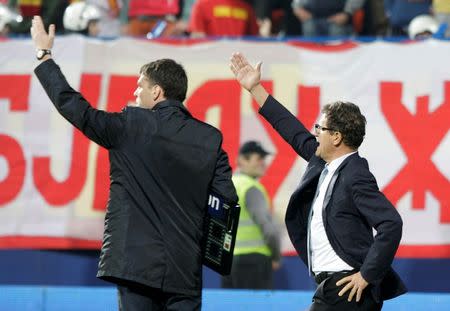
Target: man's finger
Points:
(345, 289)
(359, 294)
(235, 61)
(343, 280)
(235, 66)
(38, 23)
(51, 31)
(233, 69)
(352, 293)
(243, 59)
(258, 66)
(240, 60)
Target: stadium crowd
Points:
(213, 18)
(233, 18)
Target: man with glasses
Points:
(331, 215)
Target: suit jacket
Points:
(163, 164)
(353, 205)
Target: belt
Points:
(322, 276)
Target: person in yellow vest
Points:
(257, 249)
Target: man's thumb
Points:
(258, 66)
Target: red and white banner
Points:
(54, 182)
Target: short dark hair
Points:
(346, 118)
(169, 75)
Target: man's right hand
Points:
(41, 39)
(247, 75)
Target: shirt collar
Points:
(333, 165)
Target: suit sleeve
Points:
(222, 183)
(384, 218)
(104, 128)
(289, 127)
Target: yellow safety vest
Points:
(249, 238)
(441, 6)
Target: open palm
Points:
(41, 39)
(247, 75)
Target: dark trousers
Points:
(326, 297)
(250, 271)
(135, 297)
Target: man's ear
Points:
(337, 138)
(157, 92)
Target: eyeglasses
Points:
(318, 128)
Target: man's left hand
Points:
(355, 283)
(41, 39)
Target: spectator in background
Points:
(257, 249)
(143, 17)
(51, 11)
(401, 12)
(109, 23)
(326, 18)
(374, 21)
(83, 18)
(187, 9)
(222, 18)
(182, 25)
(422, 27)
(441, 11)
(275, 17)
(7, 16)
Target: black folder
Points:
(221, 222)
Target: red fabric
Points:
(223, 18)
(30, 8)
(153, 7)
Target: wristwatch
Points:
(40, 53)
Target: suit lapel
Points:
(312, 172)
(330, 188)
(327, 198)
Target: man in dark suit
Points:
(331, 215)
(163, 164)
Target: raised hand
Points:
(247, 75)
(41, 39)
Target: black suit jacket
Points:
(163, 164)
(353, 205)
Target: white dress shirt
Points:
(324, 258)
